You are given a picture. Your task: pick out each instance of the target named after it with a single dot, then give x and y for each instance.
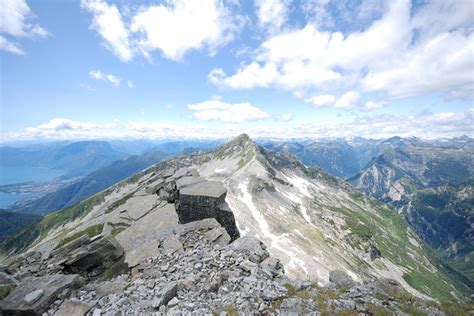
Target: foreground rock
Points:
(35, 294)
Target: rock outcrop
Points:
(34, 295)
(194, 197)
(206, 199)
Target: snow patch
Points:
(281, 243)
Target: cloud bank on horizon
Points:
(345, 68)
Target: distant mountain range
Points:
(89, 185)
(77, 158)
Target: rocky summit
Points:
(240, 230)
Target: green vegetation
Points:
(12, 221)
(378, 310)
(389, 232)
(25, 237)
(231, 310)
(117, 230)
(90, 231)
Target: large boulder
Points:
(95, 258)
(33, 295)
(203, 200)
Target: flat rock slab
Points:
(213, 189)
(50, 286)
(142, 239)
(139, 206)
(188, 181)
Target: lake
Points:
(19, 174)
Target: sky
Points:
(121, 69)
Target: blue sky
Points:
(212, 68)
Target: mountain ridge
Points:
(306, 219)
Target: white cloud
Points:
(16, 21)
(370, 105)
(272, 14)
(100, 75)
(397, 55)
(62, 124)
(174, 28)
(130, 84)
(348, 100)
(108, 23)
(217, 110)
(424, 125)
(285, 117)
(322, 100)
(10, 47)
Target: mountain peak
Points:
(241, 145)
(242, 138)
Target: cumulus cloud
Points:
(16, 21)
(272, 14)
(348, 100)
(217, 110)
(397, 55)
(322, 100)
(370, 105)
(173, 28)
(63, 124)
(424, 125)
(108, 23)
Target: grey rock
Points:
(172, 245)
(272, 266)
(251, 247)
(206, 200)
(165, 295)
(248, 265)
(153, 187)
(173, 302)
(341, 279)
(218, 236)
(33, 297)
(102, 254)
(187, 181)
(186, 171)
(51, 285)
(110, 287)
(73, 307)
(291, 306)
(97, 312)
